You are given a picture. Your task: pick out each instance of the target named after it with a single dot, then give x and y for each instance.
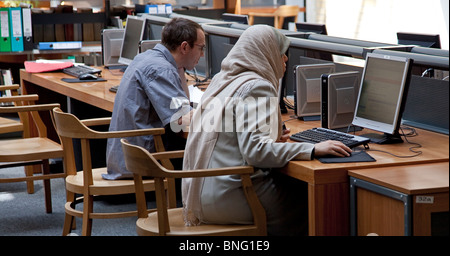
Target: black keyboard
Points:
(79, 70)
(317, 135)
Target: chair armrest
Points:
(29, 97)
(240, 170)
(200, 172)
(168, 154)
(129, 133)
(9, 87)
(28, 108)
(96, 121)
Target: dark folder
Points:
(28, 43)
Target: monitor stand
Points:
(383, 138)
(310, 118)
(118, 67)
(349, 129)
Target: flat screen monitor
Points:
(424, 40)
(308, 27)
(307, 99)
(134, 31)
(155, 25)
(231, 17)
(218, 49)
(111, 45)
(427, 104)
(221, 37)
(382, 96)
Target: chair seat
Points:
(29, 149)
(9, 125)
(149, 226)
(101, 186)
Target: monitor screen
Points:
(231, 17)
(424, 40)
(134, 31)
(308, 27)
(111, 45)
(382, 96)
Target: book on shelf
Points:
(6, 79)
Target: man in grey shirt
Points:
(153, 92)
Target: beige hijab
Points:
(256, 55)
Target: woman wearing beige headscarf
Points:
(238, 123)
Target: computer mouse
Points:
(87, 77)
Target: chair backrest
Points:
(69, 127)
(24, 106)
(8, 125)
(142, 163)
(137, 161)
(285, 11)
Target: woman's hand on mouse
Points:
(331, 147)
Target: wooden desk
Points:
(400, 200)
(93, 93)
(328, 184)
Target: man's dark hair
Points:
(178, 30)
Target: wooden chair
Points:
(89, 181)
(29, 151)
(282, 12)
(169, 222)
(8, 125)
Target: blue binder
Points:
(15, 25)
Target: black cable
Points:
(293, 118)
(288, 103)
(198, 81)
(412, 149)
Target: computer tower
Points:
(307, 79)
(339, 92)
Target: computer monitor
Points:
(338, 99)
(111, 45)
(221, 37)
(382, 96)
(307, 99)
(314, 28)
(134, 31)
(427, 104)
(239, 18)
(155, 25)
(424, 40)
(145, 45)
(308, 27)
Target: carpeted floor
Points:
(23, 214)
